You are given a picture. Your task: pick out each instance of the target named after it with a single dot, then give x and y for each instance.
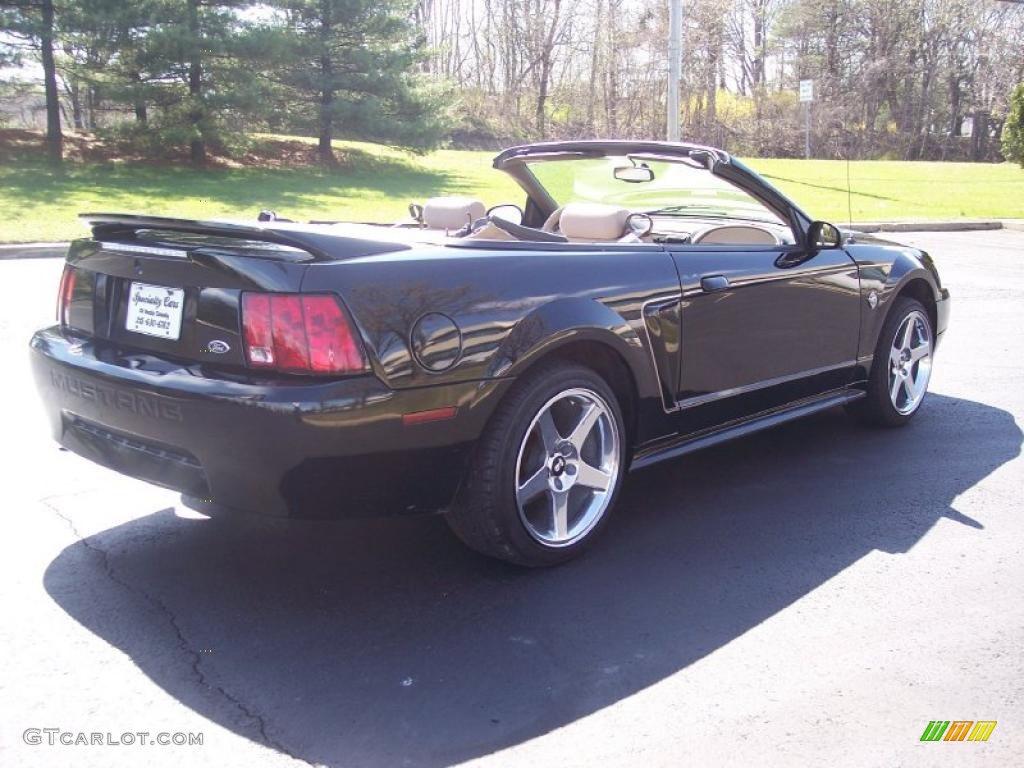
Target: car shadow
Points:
(385, 642)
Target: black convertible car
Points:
(506, 366)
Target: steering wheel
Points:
(493, 208)
(551, 222)
(640, 224)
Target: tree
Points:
(33, 22)
(545, 27)
(54, 135)
(892, 79)
(1013, 128)
(190, 48)
(348, 64)
(95, 47)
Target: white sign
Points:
(155, 310)
(806, 90)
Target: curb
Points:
(33, 251)
(932, 226)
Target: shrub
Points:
(1013, 129)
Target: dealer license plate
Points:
(155, 310)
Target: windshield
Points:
(677, 189)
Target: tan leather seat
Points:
(736, 234)
(452, 213)
(593, 222)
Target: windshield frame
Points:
(516, 162)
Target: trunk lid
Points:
(173, 287)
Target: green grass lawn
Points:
(376, 184)
(899, 191)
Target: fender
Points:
(885, 270)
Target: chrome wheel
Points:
(567, 467)
(910, 363)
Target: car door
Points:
(761, 327)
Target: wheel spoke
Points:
(907, 341)
(560, 513)
(894, 391)
(533, 487)
(548, 432)
(912, 387)
(918, 353)
(592, 477)
(583, 427)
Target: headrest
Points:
(452, 212)
(593, 221)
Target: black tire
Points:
(877, 408)
(486, 516)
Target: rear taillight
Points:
(299, 333)
(67, 288)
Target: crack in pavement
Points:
(183, 643)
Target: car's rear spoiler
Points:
(320, 246)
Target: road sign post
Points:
(806, 97)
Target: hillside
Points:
(376, 183)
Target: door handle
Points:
(713, 283)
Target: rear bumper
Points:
(284, 447)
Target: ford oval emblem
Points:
(218, 347)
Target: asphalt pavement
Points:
(812, 595)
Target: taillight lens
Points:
(299, 333)
(291, 350)
(259, 336)
(332, 341)
(67, 289)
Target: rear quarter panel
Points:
(511, 306)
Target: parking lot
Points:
(813, 595)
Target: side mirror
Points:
(634, 174)
(822, 235)
(508, 212)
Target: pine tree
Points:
(189, 50)
(348, 65)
